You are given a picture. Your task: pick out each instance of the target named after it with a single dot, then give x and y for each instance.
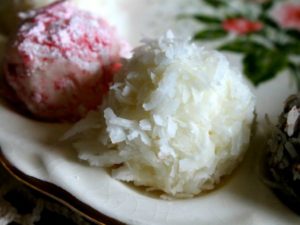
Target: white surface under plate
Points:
(35, 149)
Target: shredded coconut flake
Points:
(292, 119)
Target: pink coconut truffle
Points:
(62, 60)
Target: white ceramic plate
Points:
(33, 152)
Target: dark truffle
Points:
(283, 155)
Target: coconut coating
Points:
(62, 60)
(177, 119)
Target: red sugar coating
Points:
(62, 61)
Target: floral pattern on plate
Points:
(265, 32)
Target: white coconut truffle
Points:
(177, 119)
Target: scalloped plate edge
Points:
(58, 194)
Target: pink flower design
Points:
(287, 15)
(241, 26)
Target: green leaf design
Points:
(207, 19)
(210, 34)
(294, 34)
(264, 64)
(215, 3)
(292, 48)
(241, 46)
(267, 5)
(268, 21)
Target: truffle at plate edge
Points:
(282, 160)
(62, 60)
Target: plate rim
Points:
(58, 194)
